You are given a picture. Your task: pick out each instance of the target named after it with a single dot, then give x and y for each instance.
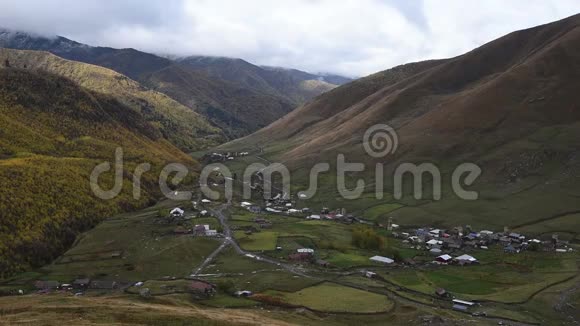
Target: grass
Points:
(227, 301)
(362, 281)
(53, 135)
(565, 224)
(182, 125)
(380, 211)
(349, 259)
(171, 310)
(148, 251)
(229, 261)
(257, 241)
(163, 287)
(500, 277)
(330, 297)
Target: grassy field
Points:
(163, 287)
(336, 298)
(115, 310)
(147, 250)
(227, 301)
(380, 211)
(500, 277)
(566, 226)
(258, 241)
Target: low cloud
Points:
(351, 37)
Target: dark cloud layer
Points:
(352, 37)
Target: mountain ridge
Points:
(54, 132)
(509, 106)
(191, 85)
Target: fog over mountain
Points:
(307, 35)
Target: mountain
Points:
(510, 106)
(54, 132)
(235, 109)
(179, 124)
(232, 100)
(294, 85)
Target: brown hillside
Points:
(510, 106)
(502, 90)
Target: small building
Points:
(441, 292)
(444, 258)
(434, 242)
(180, 230)
(46, 285)
(206, 201)
(454, 245)
(177, 212)
(509, 249)
(103, 285)
(201, 287)
(254, 209)
(505, 240)
(382, 260)
(81, 283)
(463, 302)
(210, 233)
(322, 263)
(486, 233)
(514, 235)
(370, 274)
(435, 233)
(199, 230)
(244, 293)
(466, 259)
(458, 307)
(313, 217)
(435, 251)
(300, 257)
(305, 251)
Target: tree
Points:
(397, 256)
(7, 63)
(367, 238)
(534, 246)
(228, 286)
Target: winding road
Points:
(229, 240)
(394, 295)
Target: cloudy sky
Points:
(351, 37)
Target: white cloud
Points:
(349, 37)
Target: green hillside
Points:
(53, 134)
(180, 125)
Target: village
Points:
(257, 231)
(254, 228)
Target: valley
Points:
(256, 252)
(437, 192)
